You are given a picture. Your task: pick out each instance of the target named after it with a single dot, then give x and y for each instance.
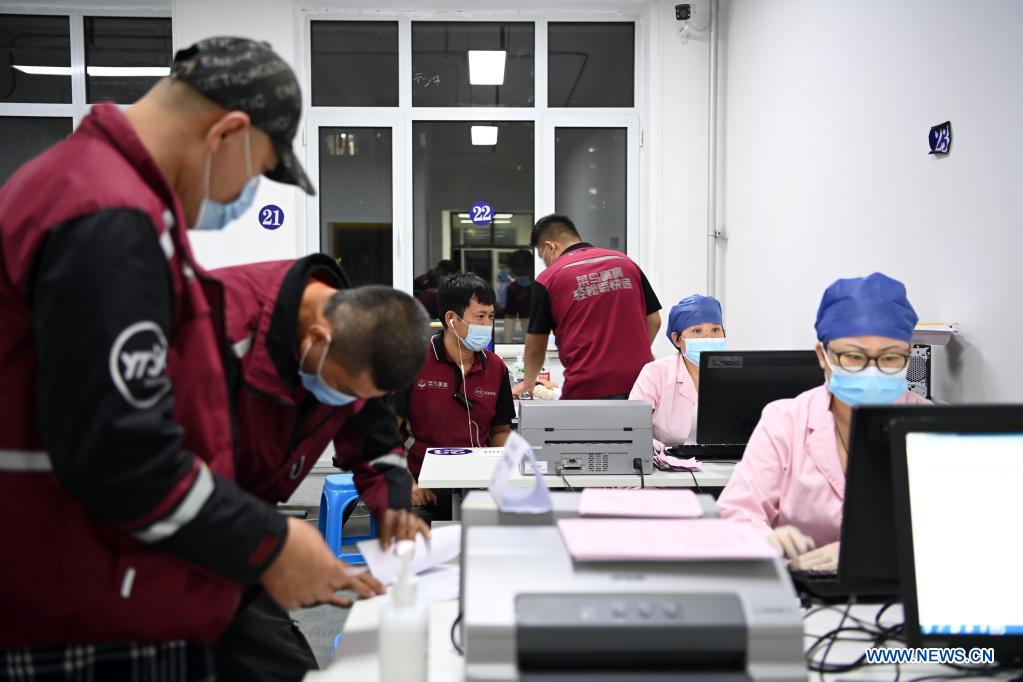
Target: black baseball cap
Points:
(247, 75)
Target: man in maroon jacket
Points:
(128, 541)
(462, 396)
(600, 307)
(291, 325)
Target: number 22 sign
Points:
(481, 213)
(271, 217)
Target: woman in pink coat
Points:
(791, 479)
(671, 384)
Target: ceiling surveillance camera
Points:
(683, 12)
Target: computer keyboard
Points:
(825, 586)
(705, 451)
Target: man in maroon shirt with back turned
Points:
(601, 309)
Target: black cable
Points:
(637, 464)
(695, 482)
(561, 472)
(454, 642)
(841, 623)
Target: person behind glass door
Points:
(424, 287)
(517, 294)
(671, 384)
(791, 479)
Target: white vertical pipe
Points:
(712, 152)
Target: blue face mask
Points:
(696, 346)
(867, 387)
(214, 215)
(478, 337)
(315, 384)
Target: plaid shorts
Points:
(131, 662)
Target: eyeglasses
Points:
(857, 361)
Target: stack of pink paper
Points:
(666, 462)
(647, 503)
(663, 540)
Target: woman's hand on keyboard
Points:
(821, 559)
(791, 542)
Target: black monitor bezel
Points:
(708, 372)
(1000, 419)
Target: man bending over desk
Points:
(462, 396)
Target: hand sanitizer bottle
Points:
(404, 626)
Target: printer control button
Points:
(645, 609)
(619, 609)
(671, 609)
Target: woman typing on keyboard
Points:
(791, 479)
(670, 384)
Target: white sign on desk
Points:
(478, 452)
(510, 497)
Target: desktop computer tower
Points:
(919, 373)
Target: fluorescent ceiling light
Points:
(486, 67)
(463, 215)
(98, 71)
(502, 216)
(483, 135)
(128, 71)
(465, 222)
(501, 222)
(43, 70)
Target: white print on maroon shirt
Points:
(138, 364)
(481, 393)
(602, 282)
(423, 383)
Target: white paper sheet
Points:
(444, 545)
(510, 497)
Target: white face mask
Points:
(543, 255)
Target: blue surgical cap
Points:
(691, 310)
(875, 305)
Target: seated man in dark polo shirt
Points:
(462, 396)
(601, 309)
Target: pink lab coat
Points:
(665, 384)
(790, 473)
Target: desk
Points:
(470, 472)
(357, 658)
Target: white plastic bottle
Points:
(404, 626)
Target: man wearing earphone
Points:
(462, 396)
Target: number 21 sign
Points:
(271, 217)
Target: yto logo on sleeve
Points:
(138, 364)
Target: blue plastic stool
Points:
(338, 494)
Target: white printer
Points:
(588, 436)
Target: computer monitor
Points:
(868, 560)
(957, 487)
(736, 385)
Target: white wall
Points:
(245, 240)
(674, 179)
(828, 107)
(673, 175)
